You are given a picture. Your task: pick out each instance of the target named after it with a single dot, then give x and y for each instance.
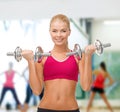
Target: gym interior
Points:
(25, 23)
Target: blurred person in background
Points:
(9, 85)
(101, 75)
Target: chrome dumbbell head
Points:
(17, 54)
(99, 46)
(76, 51)
(39, 54)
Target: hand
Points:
(90, 49)
(28, 55)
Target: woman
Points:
(98, 85)
(59, 73)
(9, 85)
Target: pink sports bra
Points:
(67, 69)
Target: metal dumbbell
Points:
(99, 46)
(39, 54)
(18, 54)
(76, 51)
(99, 49)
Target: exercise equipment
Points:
(99, 49)
(18, 54)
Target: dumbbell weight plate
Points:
(78, 51)
(99, 47)
(18, 55)
(38, 53)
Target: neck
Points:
(9, 69)
(62, 48)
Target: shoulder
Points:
(13, 71)
(96, 72)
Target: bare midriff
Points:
(59, 94)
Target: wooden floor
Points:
(33, 109)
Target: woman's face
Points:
(59, 32)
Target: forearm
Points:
(86, 76)
(34, 81)
(109, 84)
(88, 70)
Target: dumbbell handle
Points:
(102, 46)
(10, 54)
(39, 55)
(71, 53)
(106, 45)
(45, 54)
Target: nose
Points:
(58, 33)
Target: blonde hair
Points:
(61, 17)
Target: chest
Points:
(61, 69)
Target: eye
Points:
(54, 30)
(63, 31)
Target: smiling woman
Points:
(58, 73)
(59, 30)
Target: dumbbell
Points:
(18, 54)
(39, 54)
(99, 49)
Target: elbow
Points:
(37, 93)
(86, 88)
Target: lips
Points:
(59, 40)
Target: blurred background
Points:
(25, 23)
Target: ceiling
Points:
(37, 9)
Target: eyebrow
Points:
(60, 29)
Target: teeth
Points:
(58, 40)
